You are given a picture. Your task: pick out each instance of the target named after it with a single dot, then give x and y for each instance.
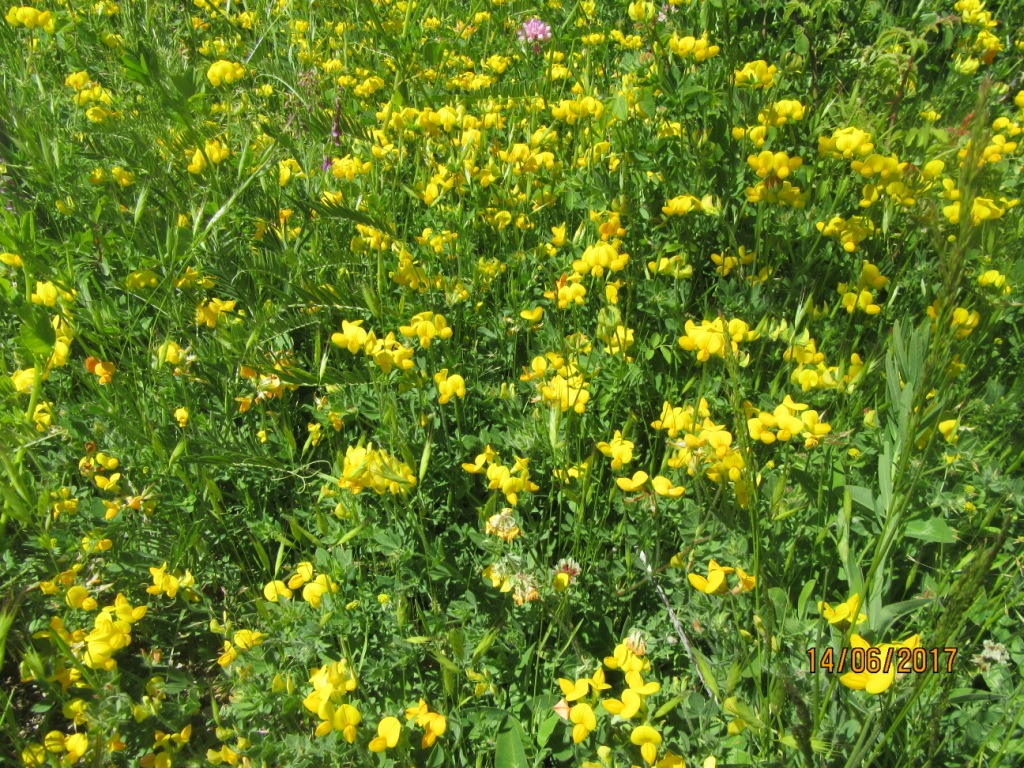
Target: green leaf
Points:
(329, 210)
(546, 728)
(739, 709)
(707, 672)
(668, 706)
(620, 108)
(884, 617)
(862, 496)
(37, 335)
(805, 595)
(508, 747)
(936, 531)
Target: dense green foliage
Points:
(413, 383)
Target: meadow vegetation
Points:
(424, 383)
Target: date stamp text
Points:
(874, 660)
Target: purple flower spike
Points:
(534, 30)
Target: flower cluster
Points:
(534, 30)
(713, 337)
(511, 481)
(331, 683)
(715, 582)
(374, 468)
(387, 353)
(787, 421)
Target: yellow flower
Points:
(636, 683)
(181, 416)
(276, 590)
(755, 74)
(45, 293)
(78, 597)
(584, 720)
(434, 724)
(574, 690)
(122, 177)
(343, 718)
(648, 739)
(626, 707)
(449, 386)
(498, 577)
(208, 313)
(77, 80)
(664, 487)
(389, 731)
(846, 143)
(630, 484)
(223, 755)
(314, 591)
(619, 450)
(426, 326)
(877, 682)
(710, 338)
(747, 582)
(503, 526)
(43, 416)
(682, 205)
(699, 48)
(246, 639)
(108, 636)
(777, 164)
(995, 279)
(229, 654)
(844, 614)
(30, 18)
(714, 584)
(165, 583)
(288, 168)
(223, 71)
(197, 163)
(628, 656)
(600, 257)
(104, 371)
(352, 337)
